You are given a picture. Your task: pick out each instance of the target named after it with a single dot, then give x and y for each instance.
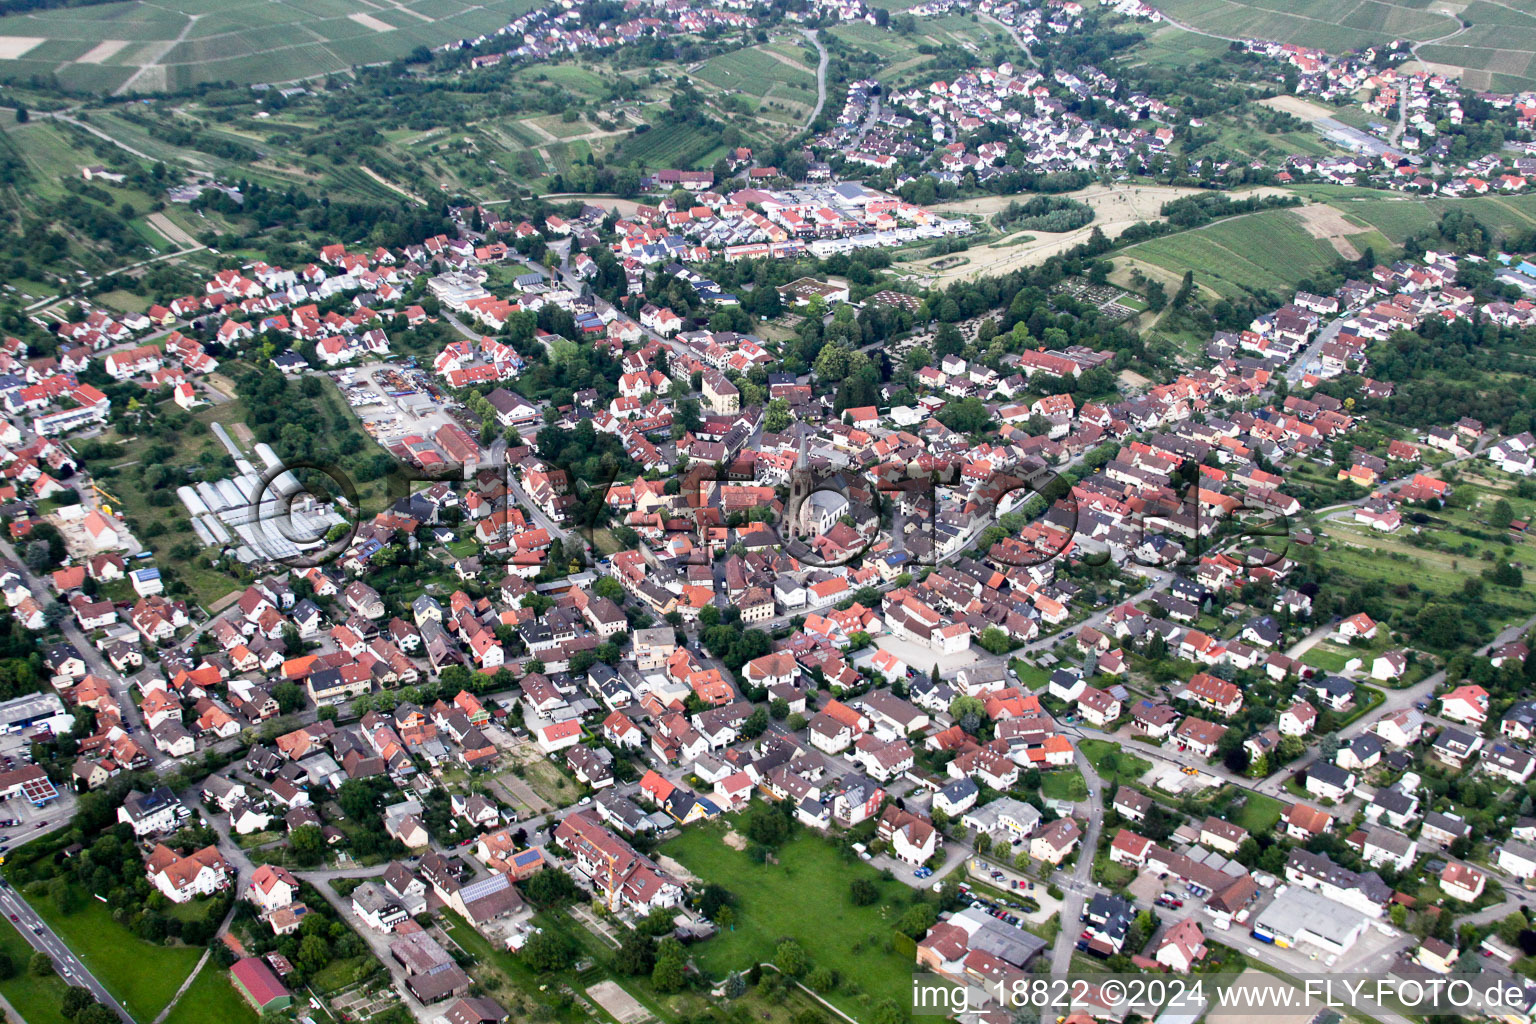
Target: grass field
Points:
(211, 997)
(137, 47)
(804, 896)
(141, 975)
(36, 999)
(1128, 767)
(1328, 658)
(1064, 784)
(1258, 813)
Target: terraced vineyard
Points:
(139, 47)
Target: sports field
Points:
(139, 46)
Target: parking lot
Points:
(923, 658)
(30, 820)
(393, 401)
(1013, 910)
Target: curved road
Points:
(1028, 55)
(821, 75)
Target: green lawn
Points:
(1127, 767)
(1064, 785)
(36, 999)
(1327, 657)
(142, 976)
(212, 998)
(804, 896)
(1258, 813)
(1032, 676)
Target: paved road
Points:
(41, 937)
(821, 75)
(1162, 580)
(94, 662)
(1308, 355)
(1016, 38)
(1077, 886)
(1408, 696)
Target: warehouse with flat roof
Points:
(1299, 916)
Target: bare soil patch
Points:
(1323, 221)
(623, 1007)
(1304, 109)
(102, 51)
(12, 47)
(1116, 207)
(369, 21)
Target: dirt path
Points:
(1116, 207)
(786, 61)
(154, 62)
(397, 189)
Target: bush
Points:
(1044, 213)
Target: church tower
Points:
(799, 485)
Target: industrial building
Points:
(1299, 916)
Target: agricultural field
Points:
(903, 64)
(1321, 23)
(1168, 46)
(1398, 218)
(670, 145)
(784, 88)
(1485, 41)
(1268, 251)
(1452, 545)
(1497, 48)
(129, 47)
